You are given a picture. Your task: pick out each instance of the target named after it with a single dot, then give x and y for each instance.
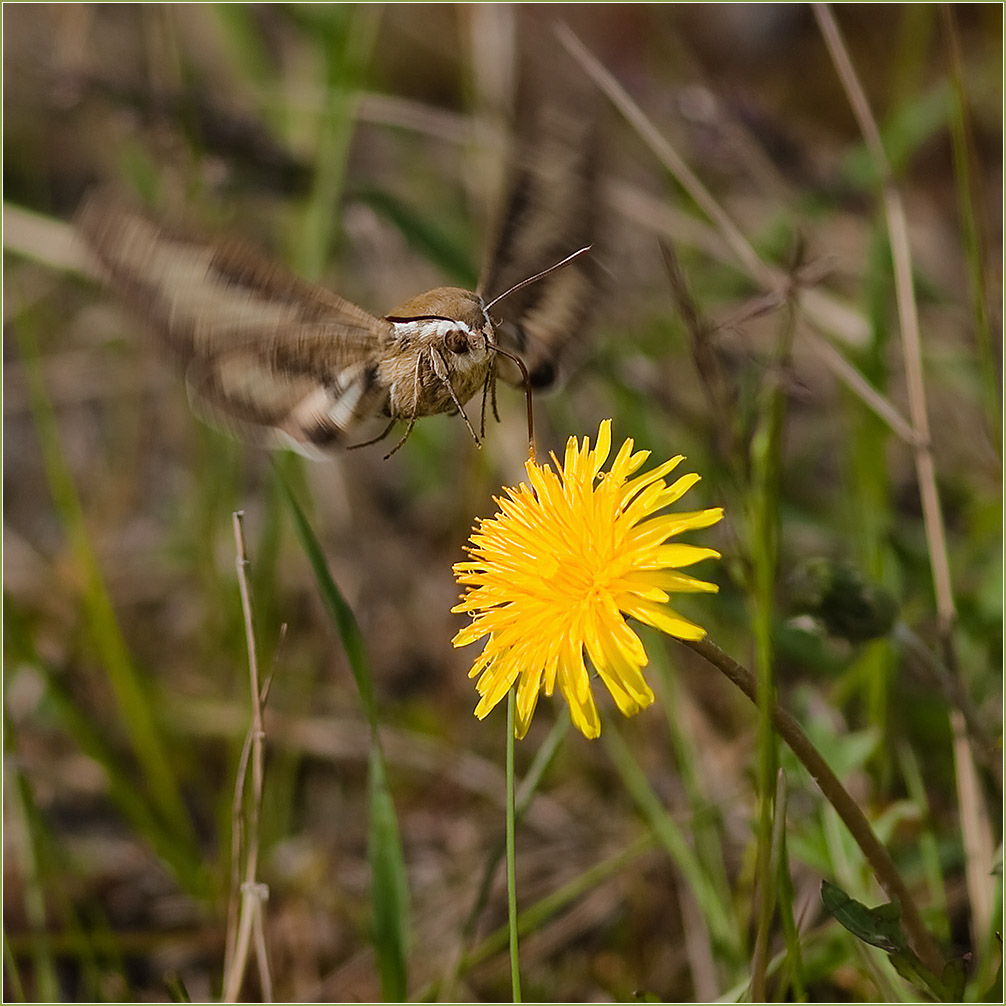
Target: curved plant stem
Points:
(511, 852)
(836, 794)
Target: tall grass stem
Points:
(975, 825)
(250, 930)
(511, 846)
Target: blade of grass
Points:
(244, 46)
(535, 916)
(763, 504)
(707, 826)
(708, 839)
(135, 702)
(390, 892)
(75, 929)
(21, 823)
(975, 225)
(929, 853)
(973, 814)
(511, 849)
(12, 977)
(389, 888)
(432, 242)
(122, 788)
(792, 971)
(836, 794)
(339, 610)
(868, 486)
(715, 918)
(347, 36)
(543, 758)
(253, 893)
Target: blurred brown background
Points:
(222, 108)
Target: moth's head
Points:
(459, 318)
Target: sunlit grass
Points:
(641, 860)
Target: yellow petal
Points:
(666, 620)
(572, 552)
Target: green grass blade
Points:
(707, 825)
(341, 613)
(764, 506)
(793, 971)
(21, 819)
(122, 788)
(715, 914)
(534, 917)
(135, 702)
(12, 977)
(347, 36)
(511, 850)
(430, 241)
(977, 234)
(389, 886)
(389, 890)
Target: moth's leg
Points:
(490, 377)
(405, 436)
(441, 372)
(496, 411)
(374, 440)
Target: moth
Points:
(286, 363)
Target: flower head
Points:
(557, 571)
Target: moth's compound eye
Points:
(457, 342)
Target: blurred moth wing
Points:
(284, 363)
(279, 361)
(265, 355)
(549, 209)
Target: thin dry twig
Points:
(911, 342)
(250, 931)
(667, 155)
(877, 403)
(975, 827)
(818, 307)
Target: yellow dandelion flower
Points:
(559, 569)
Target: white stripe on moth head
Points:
(430, 327)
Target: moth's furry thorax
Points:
(443, 335)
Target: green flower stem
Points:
(511, 851)
(836, 794)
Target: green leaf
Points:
(955, 977)
(880, 927)
(948, 988)
(342, 614)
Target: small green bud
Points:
(839, 596)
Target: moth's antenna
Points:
(516, 359)
(527, 384)
(537, 276)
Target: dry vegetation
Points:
(361, 145)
